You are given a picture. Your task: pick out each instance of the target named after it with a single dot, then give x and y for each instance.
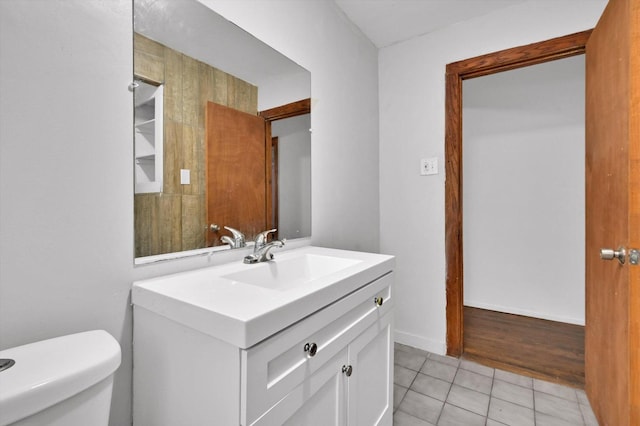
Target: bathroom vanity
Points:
(304, 339)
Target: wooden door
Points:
(236, 172)
(612, 332)
(272, 192)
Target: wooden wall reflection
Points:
(175, 219)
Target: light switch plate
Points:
(429, 166)
(185, 176)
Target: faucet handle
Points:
(236, 234)
(261, 238)
(238, 238)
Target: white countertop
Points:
(243, 314)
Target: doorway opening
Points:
(288, 144)
(460, 319)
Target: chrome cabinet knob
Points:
(347, 370)
(311, 349)
(378, 300)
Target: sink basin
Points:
(243, 304)
(290, 273)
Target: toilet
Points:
(65, 381)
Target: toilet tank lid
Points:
(50, 371)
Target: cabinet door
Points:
(275, 367)
(320, 400)
(325, 408)
(370, 386)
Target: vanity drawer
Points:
(273, 368)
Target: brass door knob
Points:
(378, 300)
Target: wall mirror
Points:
(222, 133)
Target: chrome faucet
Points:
(238, 238)
(261, 249)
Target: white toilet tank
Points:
(65, 381)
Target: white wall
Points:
(412, 127)
(66, 174)
(294, 176)
(66, 199)
(279, 91)
(344, 148)
(523, 191)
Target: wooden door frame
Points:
(456, 72)
(292, 109)
(274, 189)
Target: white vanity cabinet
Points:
(333, 367)
(283, 381)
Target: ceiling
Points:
(386, 22)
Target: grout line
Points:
(584, 420)
(515, 403)
(411, 384)
(535, 416)
(414, 378)
(448, 392)
(493, 380)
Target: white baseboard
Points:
(511, 310)
(420, 342)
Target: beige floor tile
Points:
(473, 381)
(431, 386)
(512, 393)
(516, 379)
(439, 370)
(449, 360)
(555, 389)
(456, 416)
(477, 368)
(403, 376)
(409, 360)
(510, 414)
(469, 400)
(558, 407)
(547, 420)
(421, 406)
(398, 393)
(445, 391)
(401, 418)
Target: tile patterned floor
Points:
(431, 389)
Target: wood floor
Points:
(534, 347)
